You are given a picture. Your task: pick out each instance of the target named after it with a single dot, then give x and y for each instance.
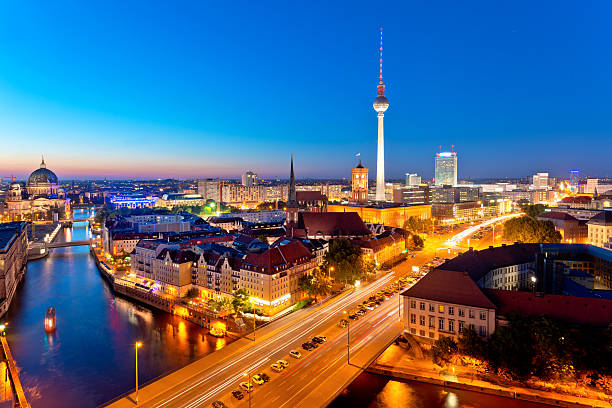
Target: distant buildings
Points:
(594, 187)
(13, 259)
(249, 179)
(446, 169)
(412, 180)
(540, 181)
(172, 200)
(573, 230)
(359, 190)
(42, 195)
(132, 201)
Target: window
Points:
(422, 305)
(413, 330)
(441, 308)
(471, 314)
(482, 330)
(460, 326)
(431, 335)
(451, 325)
(451, 310)
(483, 315)
(432, 307)
(413, 304)
(422, 320)
(432, 322)
(461, 312)
(412, 318)
(440, 324)
(422, 333)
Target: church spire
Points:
(292, 195)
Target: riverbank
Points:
(400, 363)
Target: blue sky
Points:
(196, 89)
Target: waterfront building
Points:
(446, 169)
(13, 259)
(573, 231)
(249, 179)
(412, 180)
(381, 104)
(443, 303)
(388, 214)
(359, 190)
(42, 195)
(600, 228)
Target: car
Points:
(370, 306)
(237, 394)
(313, 344)
(264, 377)
(218, 404)
(353, 317)
(343, 323)
(377, 302)
(257, 379)
(295, 354)
(247, 386)
(360, 312)
(283, 363)
(306, 346)
(317, 340)
(321, 337)
(276, 368)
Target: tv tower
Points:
(380, 105)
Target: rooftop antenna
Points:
(453, 148)
(381, 49)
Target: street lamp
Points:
(533, 281)
(2, 329)
(136, 347)
(348, 336)
(249, 387)
(329, 271)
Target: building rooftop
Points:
(603, 218)
(478, 263)
(9, 232)
(450, 287)
(335, 224)
(555, 215)
(578, 310)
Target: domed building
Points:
(42, 197)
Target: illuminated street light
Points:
(136, 347)
(249, 388)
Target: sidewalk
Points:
(398, 363)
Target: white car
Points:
(246, 386)
(295, 354)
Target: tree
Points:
(417, 242)
(315, 284)
(529, 230)
(222, 305)
(471, 344)
(443, 350)
(192, 293)
(534, 211)
(241, 301)
(414, 224)
(346, 260)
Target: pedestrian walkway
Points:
(21, 399)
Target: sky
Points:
(148, 89)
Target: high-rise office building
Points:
(540, 181)
(412, 179)
(249, 179)
(446, 169)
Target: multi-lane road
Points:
(214, 376)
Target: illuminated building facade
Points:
(391, 215)
(446, 169)
(359, 191)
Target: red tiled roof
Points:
(450, 287)
(479, 263)
(178, 256)
(554, 215)
(576, 200)
(310, 196)
(275, 259)
(335, 224)
(597, 312)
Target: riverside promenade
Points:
(398, 363)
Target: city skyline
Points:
(184, 104)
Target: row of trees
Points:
(417, 225)
(534, 346)
(527, 229)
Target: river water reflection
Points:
(90, 357)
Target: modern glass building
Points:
(446, 169)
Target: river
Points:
(90, 358)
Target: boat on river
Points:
(50, 321)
